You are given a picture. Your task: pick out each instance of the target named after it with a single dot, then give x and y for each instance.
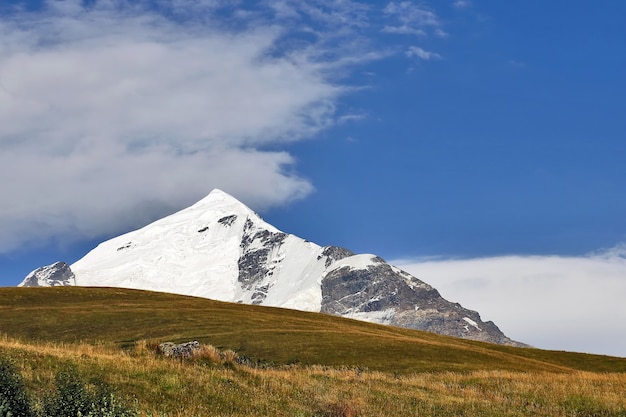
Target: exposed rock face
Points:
(57, 274)
(220, 249)
(378, 287)
(254, 268)
(334, 253)
(385, 294)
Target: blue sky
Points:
(431, 133)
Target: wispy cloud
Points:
(462, 4)
(411, 19)
(416, 51)
(551, 302)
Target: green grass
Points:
(280, 336)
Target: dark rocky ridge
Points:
(334, 253)
(377, 288)
(253, 263)
(411, 303)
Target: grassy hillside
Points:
(322, 366)
(264, 334)
(170, 388)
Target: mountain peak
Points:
(218, 197)
(217, 204)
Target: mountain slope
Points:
(220, 249)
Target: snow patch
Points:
(380, 317)
(355, 262)
(472, 323)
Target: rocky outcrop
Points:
(333, 254)
(180, 351)
(254, 266)
(402, 300)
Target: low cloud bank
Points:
(551, 302)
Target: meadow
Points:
(261, 361)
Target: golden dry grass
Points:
(211, 388)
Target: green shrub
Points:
(13, 399)
(74, 399)
(110, 406)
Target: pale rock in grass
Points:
(179, 351)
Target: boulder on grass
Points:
(181, 351)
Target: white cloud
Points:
(462, 4)
(121, 104)
(404, 30)
(440, 33)
(551, 302)
(411, 19)
(343, 13)
(110, 107)
(416, 51)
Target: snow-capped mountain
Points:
(57, 274)
(220, 249)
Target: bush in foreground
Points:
(13, 399)
(72, 397)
